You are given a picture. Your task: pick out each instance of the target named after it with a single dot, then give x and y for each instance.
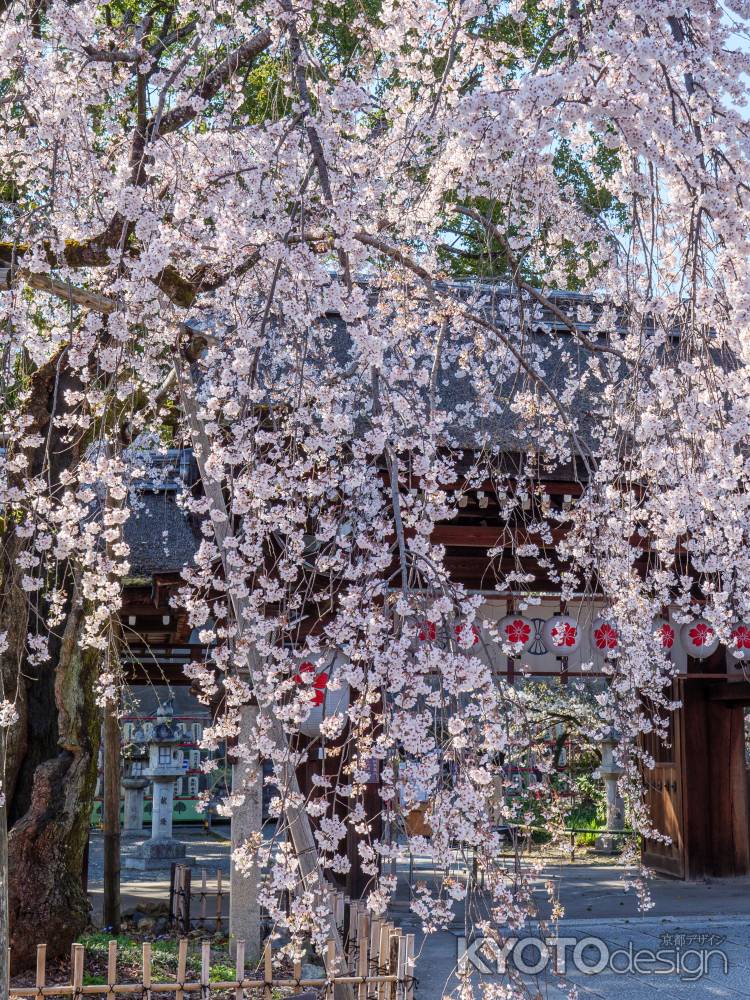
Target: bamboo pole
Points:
(239, 967)
(41, 966)
(374, 944)
(384, 949)
(401, 966)
(111, 969)
(205, 968)
(146, 970)
(409, 967)
(76, 970)
(330, 967)
(182, 950)
(363, 959)
(136, 989)
(267, 971)
(204, 988)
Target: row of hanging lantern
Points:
(562, 635)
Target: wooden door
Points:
(664, 799)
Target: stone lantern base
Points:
(609, 843)
(158, 854)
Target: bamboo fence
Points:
(210, 900)
(379, 965)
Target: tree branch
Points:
(62, 289)
(211, 85)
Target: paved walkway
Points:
(703, 957)
(701, 929)
(210, 850)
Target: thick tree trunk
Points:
(47, 844)
(53, 749)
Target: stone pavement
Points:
(700, 958)
(211, 851)
(701, 929)
(703, 926)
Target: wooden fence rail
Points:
(181, 896)
(183, 892)
(379, 966)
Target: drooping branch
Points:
(533, 292)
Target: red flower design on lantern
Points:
(605, 637)
(461, 632)
(741, 636)
(427, 630)
(319, 683)
(564, 634)
(518, 631)
(666, 635)
(701, 634)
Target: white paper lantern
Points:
(699, 638)
(665, 634)
(562, 635)
(740, 644)
(604, 637)
(518, 631)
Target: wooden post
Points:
(111, 818)
(184, 876)
(173, 894)
(219, 899)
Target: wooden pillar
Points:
(357, 881)
(111, 818)
(692, 757)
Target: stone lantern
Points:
(134, 785)
(164, 768)
(610, 772)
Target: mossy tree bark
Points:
(52, 750)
